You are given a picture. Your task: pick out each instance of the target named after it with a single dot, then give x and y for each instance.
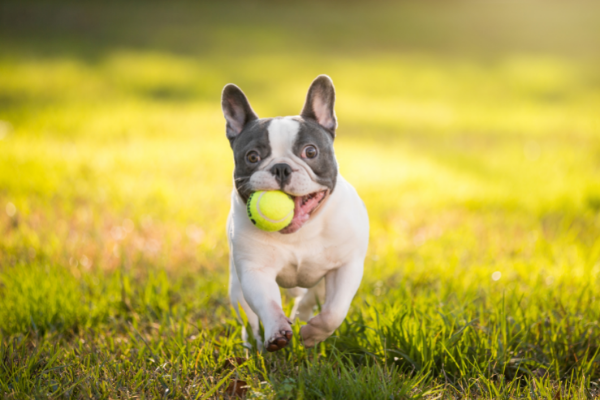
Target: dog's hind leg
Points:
(298, 294)
(307, 300)
(236, 296)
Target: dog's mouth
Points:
(304, 207)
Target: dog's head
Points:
(292, 154)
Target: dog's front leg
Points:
(262, 294)
(341, 286)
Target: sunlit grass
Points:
(480, 172)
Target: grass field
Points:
(470, 129)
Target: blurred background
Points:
(471, 129)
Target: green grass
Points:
(470, 129)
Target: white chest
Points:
(306, 264)
(306, 268)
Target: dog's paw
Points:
(318, 329)
(312, 336)
(279, 340)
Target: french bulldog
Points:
(319, 256)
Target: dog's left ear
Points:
(319, 103)
(237, 110)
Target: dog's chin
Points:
(304, 207)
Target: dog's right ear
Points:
(236, 109)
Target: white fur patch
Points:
(282, 136)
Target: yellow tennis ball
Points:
(270, 210)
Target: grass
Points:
(470, 130)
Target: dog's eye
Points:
(309, 151)
(253, 157)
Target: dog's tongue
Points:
(303, 205)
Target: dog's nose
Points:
(282, 172)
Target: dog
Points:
(320, 255)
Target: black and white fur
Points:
(319, 258)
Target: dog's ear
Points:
(319, 103)
(236, 109)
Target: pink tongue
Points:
(302, 212)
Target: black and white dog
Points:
(328, 236)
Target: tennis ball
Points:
(270, 210)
